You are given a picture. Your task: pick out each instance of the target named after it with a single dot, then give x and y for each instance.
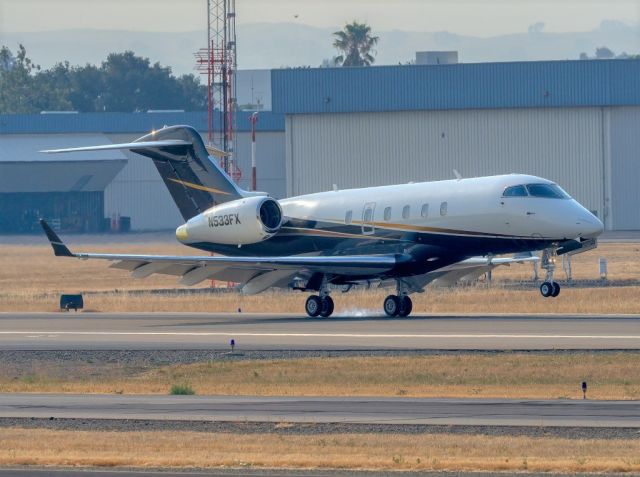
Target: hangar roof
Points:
(537, 84)
(24, 169)
(125, 122)
(24, 148)
(58, 176)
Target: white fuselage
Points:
(462, 218)
(474, 205)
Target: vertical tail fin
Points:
(194, 180)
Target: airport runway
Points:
(69, 331)
(361, 410)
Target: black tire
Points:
(391, 305)
(546, 289)
(313, 306)
(326, 306)
(556, 289)
(406, 306)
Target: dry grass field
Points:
(31, 279)
(346, 451)
(508, 375)
(477, 299)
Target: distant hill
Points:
(273, 45)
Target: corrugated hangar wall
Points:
(572, 146)
(139, 192)
(624, 168)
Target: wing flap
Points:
(342, 265)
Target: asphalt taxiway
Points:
(132, 331)
(361, 410)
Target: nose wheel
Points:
(549, 288)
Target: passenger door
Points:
(368, 226)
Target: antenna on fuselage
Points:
(457, 174)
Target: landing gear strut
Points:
(320, 305)
(398, 305)
(549, 288)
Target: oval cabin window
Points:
(387, 214)
(443, 209)
(406, 210)
(348, 216)
(424, 212)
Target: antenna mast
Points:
(218, 62)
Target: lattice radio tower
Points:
(218, 62)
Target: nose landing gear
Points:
(549, 288)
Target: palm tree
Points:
(356, 43)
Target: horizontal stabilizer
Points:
(128, 145)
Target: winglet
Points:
(59, 248)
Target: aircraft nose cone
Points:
(590, 226)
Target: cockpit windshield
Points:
(547, 191)
(515, 191)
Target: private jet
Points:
(407, 235)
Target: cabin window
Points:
(443, 209)
(406, 210)
(424, 212)
(515, 191)
(387, 214)
(348, 216)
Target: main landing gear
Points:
(319, 306)
(549, 288)
(322, 304)
(400, 304)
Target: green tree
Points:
(17, 92)
(194, 94)
(355, 43)
(124, 83)
(53, 87)
(6, 59)
(131, 83)
(87, 89)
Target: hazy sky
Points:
(481, 18)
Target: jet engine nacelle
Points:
(239, 222)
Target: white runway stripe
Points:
(51, 334)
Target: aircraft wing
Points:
(257, 273)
